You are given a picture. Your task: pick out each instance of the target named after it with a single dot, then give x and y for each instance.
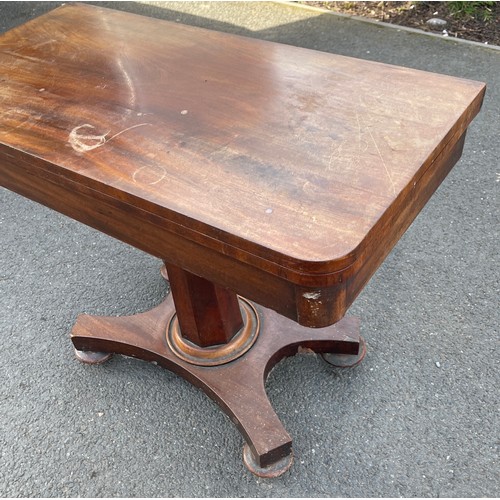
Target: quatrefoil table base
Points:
(237, 386)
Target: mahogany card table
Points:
(271, 180)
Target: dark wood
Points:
(238, 387)
(208, 314)
(280, 174)
(289, 169)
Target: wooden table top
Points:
(290, 154)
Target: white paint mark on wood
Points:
(80, 142)
(83, 143)
(127, 129)
(311, 295)
(149, 174)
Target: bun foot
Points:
(273, 470)
(91, 357)
(163, 272)
(346, 360)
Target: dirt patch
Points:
(476, 21)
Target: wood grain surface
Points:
(288, 163)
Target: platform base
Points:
(237, 386)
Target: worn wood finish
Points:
(238, 387)
(288, 164)
(277, 173)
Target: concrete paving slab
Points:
(419, 417)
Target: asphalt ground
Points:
(419, 417)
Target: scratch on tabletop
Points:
(383, 162)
